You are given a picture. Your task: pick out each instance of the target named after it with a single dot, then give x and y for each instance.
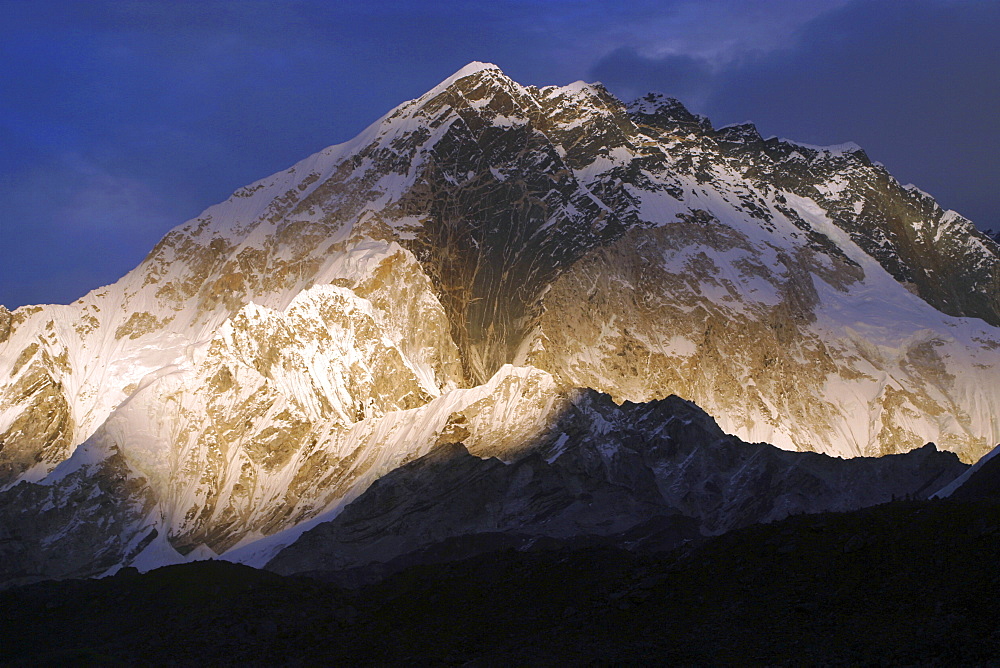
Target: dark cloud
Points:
(632, 75)
(912, 82)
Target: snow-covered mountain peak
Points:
(270, 358)
(475, 67)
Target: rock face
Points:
(605, 469)
(89, 521)
(452, 274)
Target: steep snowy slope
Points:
(272, 357)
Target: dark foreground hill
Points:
(903, 583)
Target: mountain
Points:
(451, 275)
(660, 473)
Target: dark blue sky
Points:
(121, 119)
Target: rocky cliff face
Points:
(270, 359)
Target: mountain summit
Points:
(451, 275)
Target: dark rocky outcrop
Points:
(605, 470)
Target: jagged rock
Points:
(604, 469)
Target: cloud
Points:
(913, 83)
(632, 75)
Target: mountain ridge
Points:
(453, 273)
(604, 470)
